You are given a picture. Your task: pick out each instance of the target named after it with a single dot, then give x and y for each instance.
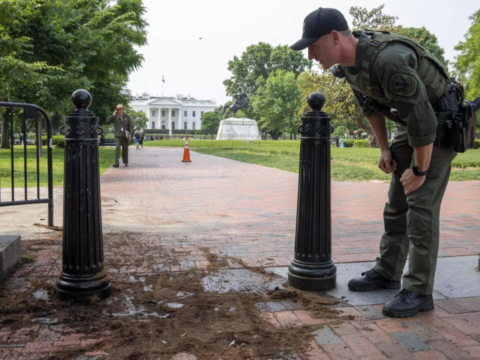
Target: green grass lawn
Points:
(225, 144)
(348, 164)
(106, 159)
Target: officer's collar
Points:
(362, 39)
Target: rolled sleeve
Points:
(402, 85)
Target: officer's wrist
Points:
(419, 172)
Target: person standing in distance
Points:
(123, 130)
(387, 71)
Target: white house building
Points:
(168, 113)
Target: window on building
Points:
(141, 111)
(193, 126)
(153, 125)
(193, 113)
(173, 113)
(163, 112)
(185, 113)
(202, 113)
(173, 126)
(153, 113)
(163, 127)
(185, 125)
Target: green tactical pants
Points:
(121, 142)
(412, 222)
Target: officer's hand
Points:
(386, 164)
(115, 113)
(411, 182)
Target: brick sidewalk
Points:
(245, 210)
(249, 211)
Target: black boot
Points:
(407, 304)
(371, 280)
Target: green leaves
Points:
(468, 62)
(210, 123)
(277, 102)
(48, 49)
(259, 61)
(139, 119)
(375, 19)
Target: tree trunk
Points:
(275, 135)
(5, 130)
(363, 127)
(372, 141)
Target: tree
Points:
(139, 119)
(210, 122)
(16, 73)
(277, 102)
(92, 43)
(375, 19)
(340, 104)
(260, 61)
(427, 40)
(468, 62)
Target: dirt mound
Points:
(150, 315)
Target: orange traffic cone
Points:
(186, 152)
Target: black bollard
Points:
(83, 272)
(313, 269)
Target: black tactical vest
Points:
(430, 70)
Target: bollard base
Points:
(82, 286)
(312, 277)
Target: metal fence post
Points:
(83, 271)
(312, 268)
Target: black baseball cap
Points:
(318, 23)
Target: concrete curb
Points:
(10, 253)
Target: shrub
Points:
(348, 142)
(476, 144)
(361, 143)
(174, 132)
(57, 141)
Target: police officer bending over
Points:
(388, 71)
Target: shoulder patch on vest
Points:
(403, 85)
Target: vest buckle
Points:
(375, 43)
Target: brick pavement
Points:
(245, 210)
(248, 212)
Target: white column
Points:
(159, 118)
(148, 114)
(180, 118)
(170, 120)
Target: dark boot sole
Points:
(424, 307)
(375, 287)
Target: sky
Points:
(198, 68)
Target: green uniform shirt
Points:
(119, 124)
(395, 73)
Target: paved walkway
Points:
(248, 212)
(244, 210)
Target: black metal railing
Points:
(30, 111)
